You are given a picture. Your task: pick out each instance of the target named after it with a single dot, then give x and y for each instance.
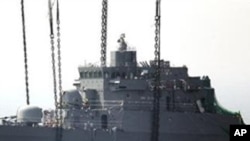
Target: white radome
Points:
(29, 114)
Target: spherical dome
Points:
(29, 114)
(72, 98)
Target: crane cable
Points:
(25, 54)
(104, 32)
(59, 132)
(53, 60)
(59, 61)
(57, 105)
(157, 79)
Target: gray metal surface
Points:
(116, 104)
(176, 127)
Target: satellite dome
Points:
(29, 114)
(72, 98)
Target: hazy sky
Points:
(211, 37)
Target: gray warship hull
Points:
(117, 103)
(174, 127)
(125, 101)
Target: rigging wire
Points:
(104, 32)
(25, 54)
(157, 69)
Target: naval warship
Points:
(127, 101)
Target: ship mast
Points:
(157, 69)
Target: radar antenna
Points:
(123, 44)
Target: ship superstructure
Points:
(119, 100)
(127, 100)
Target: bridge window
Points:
(81, 75)
(99, 74)
(93, 74)
(90, 74)
(85, 75)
